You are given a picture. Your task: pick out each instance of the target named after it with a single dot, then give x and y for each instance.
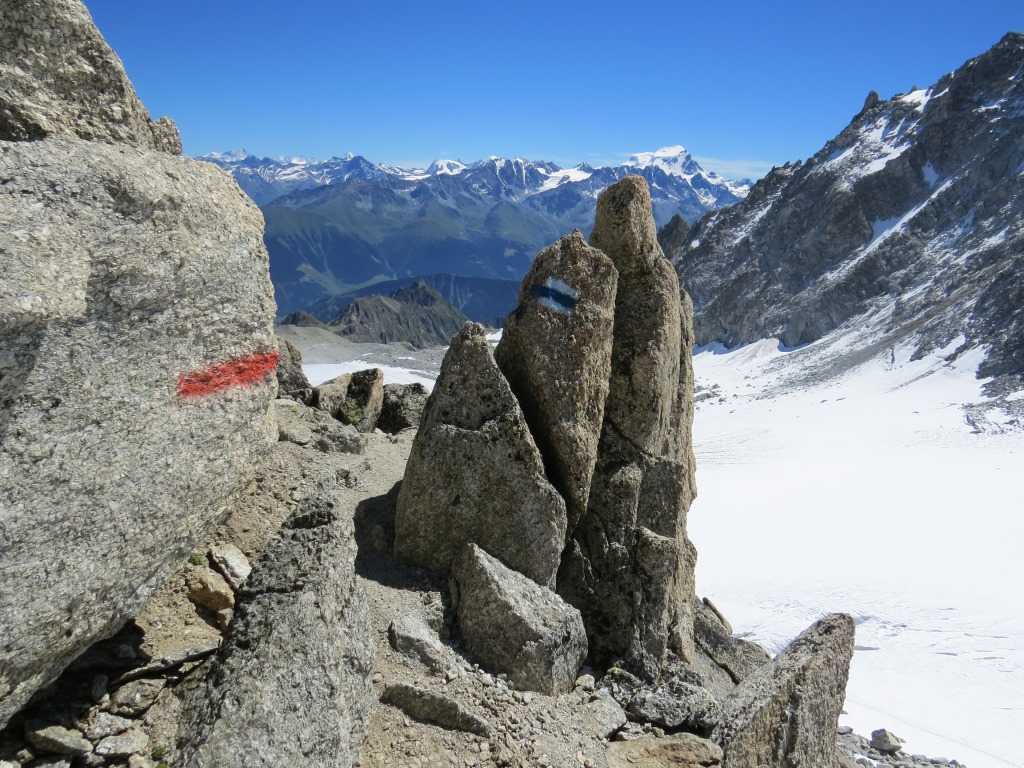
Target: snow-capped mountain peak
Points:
(675, 161)
(446, 167)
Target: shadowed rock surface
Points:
(291, 380)
(402, 407)
(126, 271)
(555, 352)
(290, 686)
(475, 474)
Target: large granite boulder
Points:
(629, 566)
(136, 354)
(786, 712)
(353, 398)
(290, 685)
(402, 407)
(511, 625)
(556, 352)
(475, 474)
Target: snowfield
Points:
(871, 493)
(835, 478)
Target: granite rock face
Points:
(290, 686)
(512, 625)
(782, 713)
(58, 78)
(475, 474)
(136, 354)
(556, 351)
(629, 566)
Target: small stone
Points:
(125, 651)
(844, 730)
(606, 714)
(128, 743)
(885, 742)
(413, 638)
(294, 432)
(104, 724)
(208, 589)
(435, 708)
(135, 697)
(232, 563)
(99, 688)
(586, 682)
(682, 750)
(55, 738)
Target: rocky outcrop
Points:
(909, 219)
(629, 566)
(416, 314)
(290, 686)
(136, 355)
(673, 234)
(310, 426)
(786, 712)
(475, 474)
(513, 626)
(291, 380)
(739, 658)
(556, 352)
(59, 79)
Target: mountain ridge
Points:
(341, 226)
(910, 218)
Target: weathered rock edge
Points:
(290, 685)
(786, 712)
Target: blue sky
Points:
(742, 85)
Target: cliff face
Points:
(136, 356)
(912, 214)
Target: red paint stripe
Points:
(242, 371)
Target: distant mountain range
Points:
(907, 228)
(343, 225)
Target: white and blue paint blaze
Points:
(555, 295)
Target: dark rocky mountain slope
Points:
(417, 314)
(912, 216)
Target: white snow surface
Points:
(870, 494)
